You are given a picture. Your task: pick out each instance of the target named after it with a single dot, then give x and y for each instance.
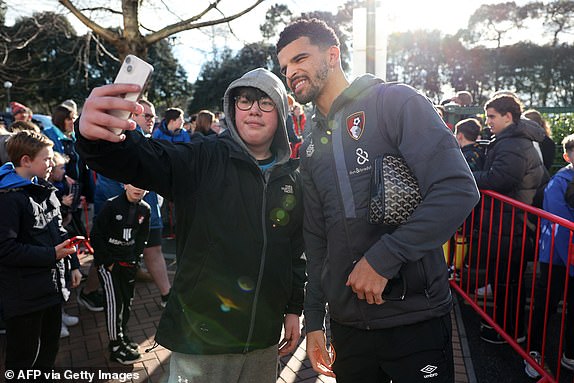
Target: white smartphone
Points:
(133, 71)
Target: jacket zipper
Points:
(261, 267)
(345, 224)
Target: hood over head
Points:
(270, 84)
(10, 179)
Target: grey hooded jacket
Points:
(371, 119)
(240, 264)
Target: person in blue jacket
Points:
(171, 127)
(33, 246)
(555, 245)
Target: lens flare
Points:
(289, 201)
(246, 284)
(225, 308)
(227, 303)
(279, 216)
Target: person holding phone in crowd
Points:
(234, 289)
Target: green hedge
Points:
(561, 124)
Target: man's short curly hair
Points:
(318, 32)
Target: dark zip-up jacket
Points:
(512, 167)
(120, 231)
(31, 279)
(240, 265)
(474, 156)
(368, 120)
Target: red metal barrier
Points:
(500, 244)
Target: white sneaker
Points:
(528, 369)
(69, 320)
(64, 333)
(481, 291)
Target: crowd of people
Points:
(301, 192)
(515, 160)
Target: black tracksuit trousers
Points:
(118, 285)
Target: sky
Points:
(193, 48)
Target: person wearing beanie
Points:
(20, 112)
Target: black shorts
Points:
(154, 238)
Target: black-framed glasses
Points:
(265, 104)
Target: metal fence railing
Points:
(496, 268)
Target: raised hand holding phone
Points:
(133, 71)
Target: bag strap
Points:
(380, 113)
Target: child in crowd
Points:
(554, 260)
(33, 246)
(59, 180)
(467, 132)
(118, 238)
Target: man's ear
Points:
(508, 117)
(334, 56)
(566, 158)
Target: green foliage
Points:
(169, 86)
(562, 125)
(276, 17)
(39, 60)
(342, 25)
(217, 74)
(540, 74)
(491, 22)
(417, 60)
(51, 63)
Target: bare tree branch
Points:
(131, 39)
(190, 23)
(101, 31)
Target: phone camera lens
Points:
(128, 59)
(129, 68)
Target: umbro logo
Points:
(429, 371)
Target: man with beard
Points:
(379, 336)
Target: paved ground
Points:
(86, 348)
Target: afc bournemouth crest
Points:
(356, 125)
